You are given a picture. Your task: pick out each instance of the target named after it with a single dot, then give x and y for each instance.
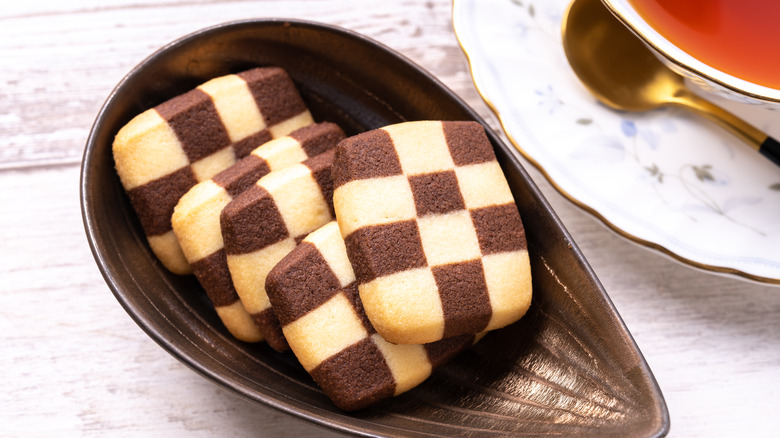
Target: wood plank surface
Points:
(72, 363)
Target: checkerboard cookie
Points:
(314, 293)
(432, 231)
(196, 221)
(161, 153)
(265, 223)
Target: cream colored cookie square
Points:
(448, 238)
(287, 126)
(207, 167)
(483, 184)
(281, 152)
(421, 147)
(166, 248)
(508, 276)
(373, 201)
(324, 331)
(196, 220)
(327, 239)
(409, 364)
(147, 149)
(298, 198)
(248, 272)
(239, 323)
(405, 307)
(235, 105)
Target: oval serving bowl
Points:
(705, 77)
(568, 367)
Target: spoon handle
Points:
(770, 148)
(757, 139)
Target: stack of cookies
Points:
(374, 258)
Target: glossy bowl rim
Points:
(624, 11)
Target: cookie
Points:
(196, 224)
(314, 293)
(263, 224)
(161, 153)
(432, 231)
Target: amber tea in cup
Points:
(737, 37)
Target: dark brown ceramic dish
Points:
(569, 367)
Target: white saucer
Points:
(666, 179)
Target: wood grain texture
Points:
(74, 364)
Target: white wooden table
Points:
(72, 363)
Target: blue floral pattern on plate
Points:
(667, 179)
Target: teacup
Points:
(679, 32)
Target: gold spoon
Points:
(624, 74)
